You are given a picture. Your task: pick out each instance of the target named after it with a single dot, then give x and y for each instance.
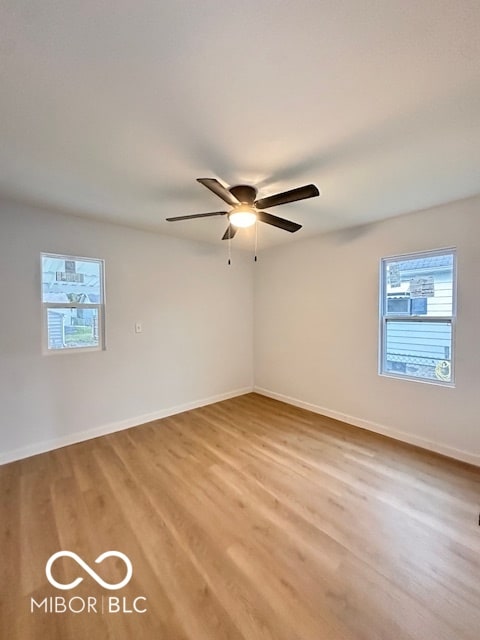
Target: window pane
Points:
(71, 280)
(427, 282)
(419, 349)
(72, 328)
(398, 306)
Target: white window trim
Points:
(73, 305)
(383, 319)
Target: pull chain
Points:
(229, 246)
(256, 239)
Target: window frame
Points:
(384, 318)
(100, 306)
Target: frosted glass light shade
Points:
(243, 218)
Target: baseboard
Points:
(88, 434)
(451, 452)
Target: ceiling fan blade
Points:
(275, 221)
(219, 190)
(198, 215)
(230, 232)
(301, 193)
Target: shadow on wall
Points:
(350, 234)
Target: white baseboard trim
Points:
(88, 434)
(451, 452)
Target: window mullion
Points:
(405, 318)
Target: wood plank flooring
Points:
(244, 520)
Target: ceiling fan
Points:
(246, 210)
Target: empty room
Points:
(240, 320)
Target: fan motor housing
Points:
(244, 193)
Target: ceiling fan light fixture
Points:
(246, 210)
(243, 217)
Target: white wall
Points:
(196, 345)
(316, 334)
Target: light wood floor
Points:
(247, 519)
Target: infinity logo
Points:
(91, 572)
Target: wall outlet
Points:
(138, 327)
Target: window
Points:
(417, 316)
(73, 303)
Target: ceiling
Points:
(111, 109)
